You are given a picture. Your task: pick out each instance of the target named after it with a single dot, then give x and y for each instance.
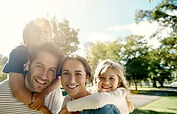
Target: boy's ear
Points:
(27, 65)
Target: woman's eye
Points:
(78, 74)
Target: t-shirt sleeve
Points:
(18, 57)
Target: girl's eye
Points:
(101, 78)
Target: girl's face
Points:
(108, 81)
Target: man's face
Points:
(42, 71)
(73, 78)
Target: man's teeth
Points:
(40, 81)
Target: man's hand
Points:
(37, 101)
(64, 110)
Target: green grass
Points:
(165, 105)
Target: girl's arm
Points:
(97, 100)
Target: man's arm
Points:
(17, 84)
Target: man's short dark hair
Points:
(47, 47)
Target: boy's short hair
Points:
(38, 22)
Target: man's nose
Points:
(44, 75)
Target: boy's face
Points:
(39, 34)
(108, 81)
(73, 78)
(42, 72)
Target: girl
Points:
(110, 83)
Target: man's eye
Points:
(65, 73)
(53, 70)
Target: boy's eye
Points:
(38, 66)
(112, 78)
(52, 70)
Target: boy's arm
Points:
(17, 84)
(96, 100)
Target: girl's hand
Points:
(64, 110)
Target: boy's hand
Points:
(37, 101)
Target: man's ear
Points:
(26, 66)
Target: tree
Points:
(65, 36)
(104, 50)
(3, 60)
(135, 58)
(164, 15)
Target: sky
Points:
(104, 20)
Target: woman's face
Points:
(108, 81)
(73, 78)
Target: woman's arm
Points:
(97, 100)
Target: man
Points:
(41, 72)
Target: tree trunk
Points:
(136, 86)
(161, 83)
(154, 83)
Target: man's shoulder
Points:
(107, 109)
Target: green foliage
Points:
(104, 50)
(160, 14)
(3, 60)
(65, 36)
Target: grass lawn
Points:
(165, 105)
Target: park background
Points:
(140, 34)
